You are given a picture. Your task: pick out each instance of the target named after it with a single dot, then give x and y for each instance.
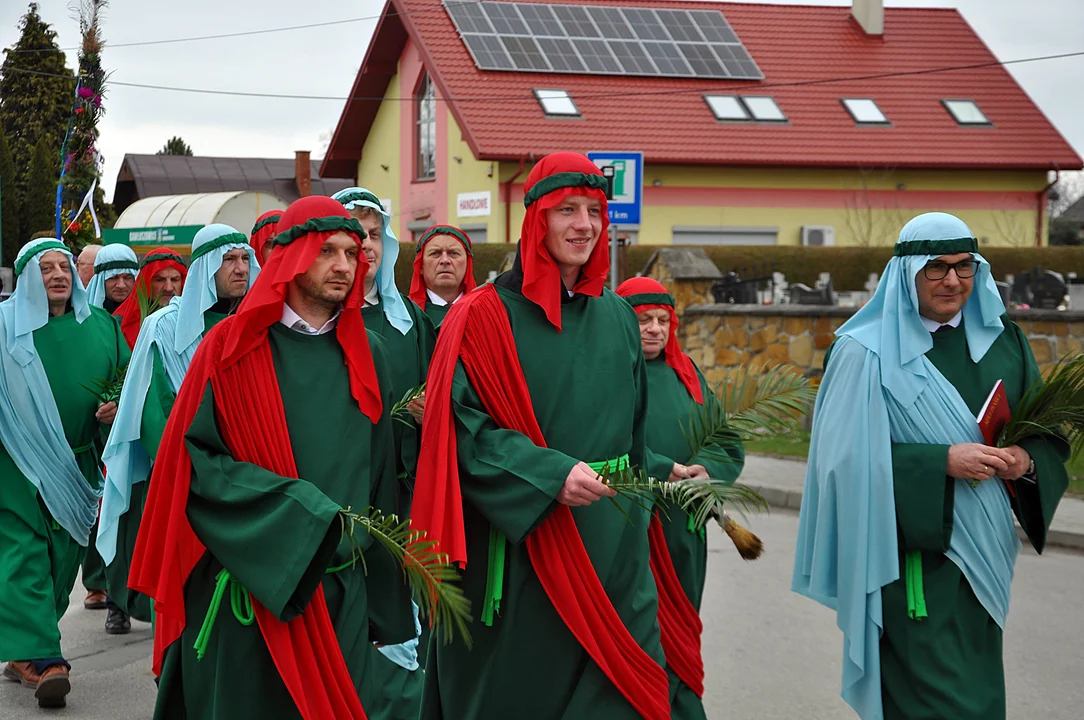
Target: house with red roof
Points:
(757, 124)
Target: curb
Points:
(792, 500)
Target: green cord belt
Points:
(240, 603)
(916, 596)
(491, 604)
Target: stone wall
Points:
(720, 337)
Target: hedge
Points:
(850, 266)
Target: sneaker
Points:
(53, 687)
(22, 671)
(95, 600)
(117, 622)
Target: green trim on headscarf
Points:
(117, 265)
(936, 247)
(650, 299)
(235, 238)
(564, 180)
(444, 230)
(333, 223)
(20, 264)
(359, 196)
(270, 220)
(153, 257)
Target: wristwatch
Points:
(1030, 474)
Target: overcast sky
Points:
(324, 61)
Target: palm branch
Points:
(1052, 409)
(434, 582)
(399, 410)
(108, 391)
(147, 304)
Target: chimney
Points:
(870, 14)
(303, 173)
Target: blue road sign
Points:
(628, 195)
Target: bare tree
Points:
(1069, 189)
(869, 224)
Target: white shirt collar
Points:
(293, 321)
(934, 326)
(438, 300)
(373, 296)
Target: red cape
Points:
(128, 312)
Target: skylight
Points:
(740, 107)
(764, 109)
(865, 111)
(965, 112)
(726, 107)
(557, 102)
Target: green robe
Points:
(156, 409)
(435, 312)
(39, 560)
(279, 536)
(670, 408)
(950, 665)
(589, 391)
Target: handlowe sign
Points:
(177, 235)
(473, 204)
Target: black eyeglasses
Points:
(936, 270)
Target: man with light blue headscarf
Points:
(906, 526)
(222, 269)
(115, 270)
(409, 337)
(57, 354)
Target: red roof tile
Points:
(669, 121)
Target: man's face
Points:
(329, 279)
(119, 287)
(84, 264)
(265, 253)
(444, 264)
(654, 331)
(56, 273)
(372, 246)
(572, 230)
(940, 300)
(231, 280)
(166, 285)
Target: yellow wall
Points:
(382, 148)
(470, 175)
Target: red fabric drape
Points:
(128, 312)
(477, 332)
(674, 356)
(417, 280)
(679, 622)
(260, 237)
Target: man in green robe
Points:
(282, 423)
(222, 269)
(678, 396)
(537, 385)
(443, 270)
(54, 350)
(907, 528)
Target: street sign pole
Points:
(625, 172)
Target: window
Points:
(738, 108)
(556, 103)
(865, 111)
(425, 136)
(965, 112)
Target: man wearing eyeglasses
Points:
(906, 526)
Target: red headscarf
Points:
(417, 282)
(264, 230)
(553, 179)
(303, 228)
(646, 294)
(154, 261)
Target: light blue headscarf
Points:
(395, 310)
(30, 426)
(880, 389)
(112, 260)
(176, 331)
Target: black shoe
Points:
(117, 622)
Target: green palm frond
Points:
(147, 305)
(108, 391)
(1053, 409)
(434, 582)
(399, 410)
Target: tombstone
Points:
(1005, 290)
(871, 284)
(824, 280)
(731, 290)
(804, 295)
(779, 288)
(1076, 296)
(1048, 290)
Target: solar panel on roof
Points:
(604, 40)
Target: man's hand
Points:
(416, 407)
(975, 461)
(1021, 463)
(678, 473)
(108, 411)
(582, 487)
(698, 472)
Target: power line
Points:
(625, 94)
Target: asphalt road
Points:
(768, 653)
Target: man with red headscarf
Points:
(676, 393)
(537, 385)
(282, 422)
(262, 231)
(443, 270)
(161, 278)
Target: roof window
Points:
(764, 109)
(745, 108)
(557, 103)
(965, 112)
(865, 111)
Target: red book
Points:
(995, 414)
